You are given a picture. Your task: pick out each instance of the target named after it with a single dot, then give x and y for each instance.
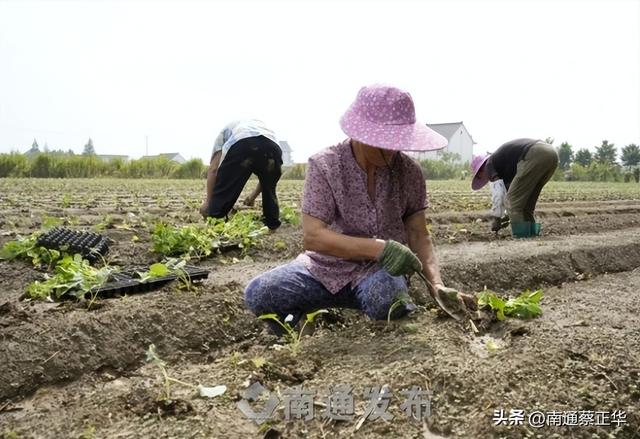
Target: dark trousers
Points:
(253, 155)
(292, 289)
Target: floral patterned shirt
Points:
(335, 192)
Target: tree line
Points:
(581, 165)
(67, 164)
(602, 165)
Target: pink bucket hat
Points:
(384, 117)
(476, 164)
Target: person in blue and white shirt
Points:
(242, 148)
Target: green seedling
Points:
(72, 220)
(171, 266)
(491, 345)
(258, 362)
(280, 246)
(289, 215)
(66, 201)
(89, 432)
(191, 240)
(73, 276)
(243, 228)
(106, 222)
(24, 247)
(265, 428)
(155, 271)
(525, 306)
(401, 300)
(234, 358)
(18, 248)
(292, 336)
(201, 240)
(167, 381)
(124, 226)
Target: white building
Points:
(460, 142)
(286, 152)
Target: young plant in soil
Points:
(106, 222)
(24, 247)
(66, 201)
(190, 240)
(292, 336)
(525, 306)
(73, 276)
(201, 240)
(401, 300)
(289, 215)
(27, 247)
(169, 267)
(243, 228)
(167, 381)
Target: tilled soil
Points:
(68, 372)
(583, 354)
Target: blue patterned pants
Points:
(292, 289)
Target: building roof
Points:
(448, 129)
(445, 129)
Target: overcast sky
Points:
(177, 72)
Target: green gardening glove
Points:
(398, 259)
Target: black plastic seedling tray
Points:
(88, 244)
(129, 282)
(226, 246)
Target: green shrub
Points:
(596, 172)
(13, 165)
(295, 172)
(446, 167)
(65, 165)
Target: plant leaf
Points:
(271, 316)
(158, 270)
(258, 362)
(312, 315)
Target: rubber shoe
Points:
(521, 230)
(535, 229)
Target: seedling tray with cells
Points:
(88, 244)
(129, 282)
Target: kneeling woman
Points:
(364, 201)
